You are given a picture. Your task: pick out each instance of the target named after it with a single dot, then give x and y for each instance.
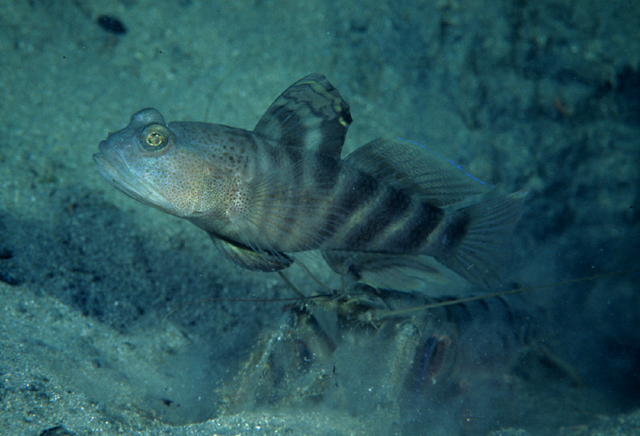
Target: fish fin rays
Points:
(386, 271)
(479, 256)
(311, 228)
(250, 259)
(301, 215)
(287, 217)
(416, 170)
(310, 114)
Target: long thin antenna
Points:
(402, 312)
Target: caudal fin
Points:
(484, 243)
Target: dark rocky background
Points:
(542, 96)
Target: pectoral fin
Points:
(250, 259)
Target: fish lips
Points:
(115, 170)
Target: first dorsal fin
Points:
(310, 114)
(416, 169)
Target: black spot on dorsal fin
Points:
(310, 114)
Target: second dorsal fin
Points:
(310, 114)
(415, 169)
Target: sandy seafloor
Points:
(542, 96)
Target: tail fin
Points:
(483, 231)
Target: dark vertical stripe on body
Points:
(376, 218)
(352, 193)
(455, 232)
(416, 230)
(327, 178)
(358, 190)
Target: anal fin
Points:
(396, 272)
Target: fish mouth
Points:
(115, 171)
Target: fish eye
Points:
(154, 137)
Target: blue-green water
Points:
(105, 327)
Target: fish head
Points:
(148, 162)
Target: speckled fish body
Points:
(283, 188)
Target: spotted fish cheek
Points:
(180, 181)
(236, 200)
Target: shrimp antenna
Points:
(403, 312)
